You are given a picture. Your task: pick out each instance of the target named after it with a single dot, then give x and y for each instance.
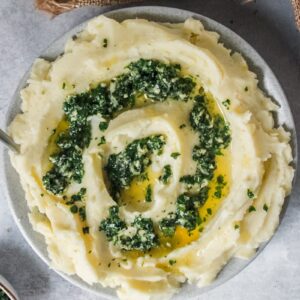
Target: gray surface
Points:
(275, 274)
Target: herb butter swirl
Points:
(152, 157)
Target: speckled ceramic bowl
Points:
(268, 83)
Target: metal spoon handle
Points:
(8, 141)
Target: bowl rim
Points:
(208, 23)
(7, 288)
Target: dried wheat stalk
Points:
(57, 7)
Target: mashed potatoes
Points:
(149, 157)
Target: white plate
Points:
(267, 81)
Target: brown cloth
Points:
(57, 7)
(296, 6)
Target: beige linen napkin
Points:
(296, 6)
(56, 7)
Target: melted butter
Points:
(223, 162)
(213, 203)
(141, 101)
(182, 236)
(134, 196)
(110, 62)
(52, 147)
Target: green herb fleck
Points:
(82, 213)
(148, 196)
(172, 262)
(250, 194)
(266, 208)
(76, 197)
(246, 89)
(175, 155)
(226, 103)
(166, 174)
(219, 186)
(105, 43)
(168, 225)
(209, 211)
(103, 126)
(102, 141)
(74, 209)
(63, 85)
(236, 226)
(143, 177)
(86, 230)
(251, 208)
(182, 126)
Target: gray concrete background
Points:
(269, 27)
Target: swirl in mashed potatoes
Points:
(150, 157)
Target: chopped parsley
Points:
(82, 213)
(214, 135)
(103, 126)
(86, 230)
(74, 209)
(266, 207)
(226, 103)
(77, 197)
(250, 194)
(251, 208)
(172, 262)
(143, 177)
(132, 162)
(102, 141)
(157, 82)
(175, 155)
(186, 214)
(209, 211)
(168, 225)
(76, 203)
(166, 174)
(148, 197)
(105, 43)
(236, 226)
(246, 89)
(219, 186)
(139, 235)
(63, 85)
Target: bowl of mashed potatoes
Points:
(151, 160)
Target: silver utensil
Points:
(8, 141)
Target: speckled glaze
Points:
(268, 83)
